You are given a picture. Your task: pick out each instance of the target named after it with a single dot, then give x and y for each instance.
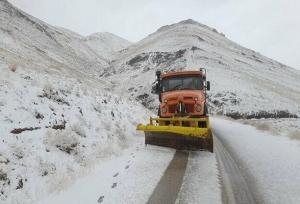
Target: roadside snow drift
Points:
(269, 163)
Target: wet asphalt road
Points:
(235, 189)
(167, 189)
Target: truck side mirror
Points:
(208, 85)
(158, 73)
(157, 88)
(158, 85)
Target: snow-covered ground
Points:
(127, 178)
(288, 127)
(54, 128)
(269, 163)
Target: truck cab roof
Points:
(182, 73)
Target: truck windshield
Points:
(182, 83)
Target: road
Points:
(234, 187)
(169, 185)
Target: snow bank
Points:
(288, 127)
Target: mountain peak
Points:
(192, 23)
(189, 21)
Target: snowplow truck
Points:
(182, 121)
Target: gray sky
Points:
(271, 27)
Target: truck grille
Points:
(189, 108)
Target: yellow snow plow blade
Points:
(179, 133)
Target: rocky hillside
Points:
(244, 82)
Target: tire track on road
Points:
(168, 187)
(235, 189)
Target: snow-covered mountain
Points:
(106, 44)
(244, 82)
(27, 40)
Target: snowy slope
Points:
(54, 127)
(27, 40)
(106, 44)
(243, 81)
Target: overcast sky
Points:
(271, 27)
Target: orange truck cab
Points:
(182, 93)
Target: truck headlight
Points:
(198, 107)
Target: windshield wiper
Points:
(176, 87)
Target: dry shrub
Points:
(295, 135)
(13, 67)
(64, 140)
(263, 126)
